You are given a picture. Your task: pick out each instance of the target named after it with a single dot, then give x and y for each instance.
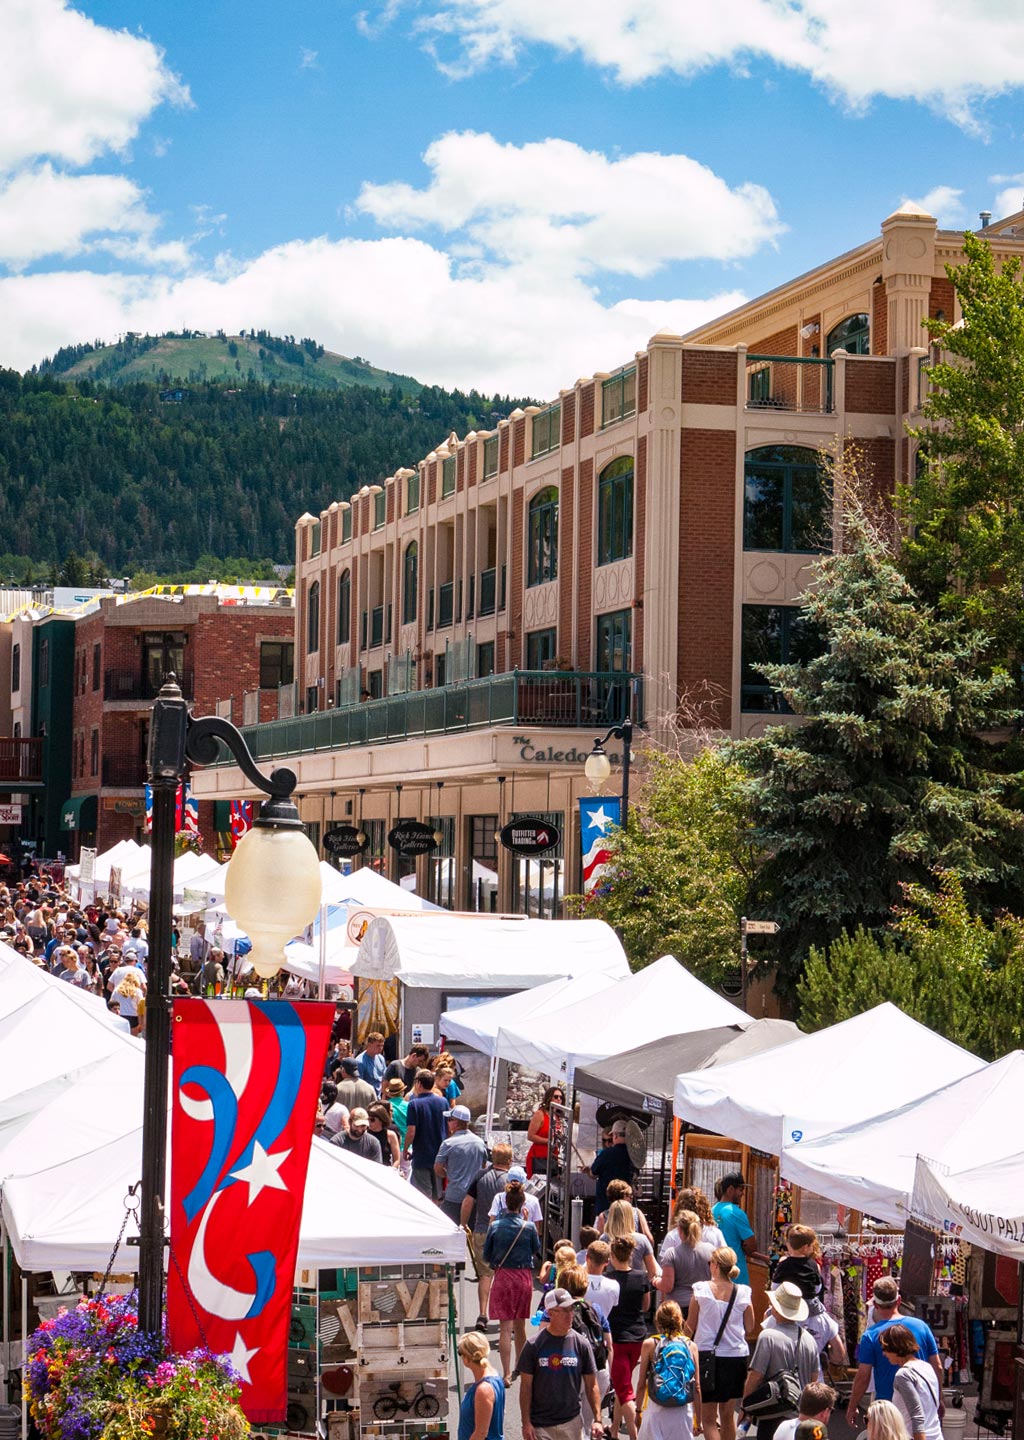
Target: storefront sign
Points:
(529, 836)
(412, 837)
(542, 750)
(343, 841)
(120, 805)
(10, 814)
(87, 864)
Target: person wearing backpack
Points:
(669, 1379)
(589, 1322)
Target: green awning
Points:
(221, 816)
(79, 813)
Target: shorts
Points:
(730, 1377)
(511, 1296)
(625, 1359)
(475, 1240)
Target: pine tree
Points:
(886, 780)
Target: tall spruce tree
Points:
(886, 779)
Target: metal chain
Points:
(131, 1207)
(188, 1296)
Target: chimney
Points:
(985, 216)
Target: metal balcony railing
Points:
(133, 685)
(21, 759)
(788, 382)
(552, 699)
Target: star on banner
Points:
(240, 1357)
(261, 1172)
(598, 820)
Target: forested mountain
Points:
(150, 483)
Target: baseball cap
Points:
(458, 1112)
(517, 1173)
(619, 1128)
(558, 1299)
(349, 1066)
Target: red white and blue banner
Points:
(186, 809)
(240, 819)
(246, 1079)
(597, 814)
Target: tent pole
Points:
(7, 1294)
(453, 1333)
(677, 1130)
(24, 1355)
(322, 986)
(492, 1092)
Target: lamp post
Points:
(598, 767)
(272, 891)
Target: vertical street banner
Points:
(186, 810)
(245, 1083)
(240, 819)
(597, 814)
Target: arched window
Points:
(542, 533)
(852, 335)
(615, 511)
(409, 582)
(313, 618)
(787, 502)
(344, 606)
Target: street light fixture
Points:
(273, 887)
(598, 767)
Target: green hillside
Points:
(190, 358)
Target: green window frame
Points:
(852, 335)
(346, 525)
(542, 537)
(313, 618)
(344, 606)
(615, 511)
(485, 660)
(380, 509)
(618, 397)
(410, 582)
(412, 494)
(787, 501)
(615, 642)
(541, 646)
(314, 539)
(448, 477)
(546, 431)
(490, 457)
(772, 635)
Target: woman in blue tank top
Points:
(482, 1412)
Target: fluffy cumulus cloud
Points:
(945, 203)
(944, 55)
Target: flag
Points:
(597, 813)
(246, 1079)
(186, 810)
(240, 819)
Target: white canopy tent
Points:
(837, 1077)
(488, 952)
(662, 999)
(871, 1166)
(983, 1204)
(478, 1025)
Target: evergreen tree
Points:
(886, 779)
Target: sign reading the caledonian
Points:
(550, 755)
(529, 836)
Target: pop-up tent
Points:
(342, 896)
(836, 1077)
(649, 1071)
(871, 1166)
(478, 1025)
(489, 952)
(983, 1204)
(663, 999)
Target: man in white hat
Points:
(783, 1344)
(459, 1161)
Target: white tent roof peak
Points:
(478, 1025)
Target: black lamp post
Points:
(174, 739)
(598, 767)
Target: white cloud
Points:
(554, 204)
(72, 89)
(1010, 198)
(400, 301)
(944, 203)
(308, 59)
(44, 212)
(931, 51)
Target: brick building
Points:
(231, 649)
(642, 541)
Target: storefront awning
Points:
(79, 813)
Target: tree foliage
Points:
(886, 779)
(942, 964)
(965, 548)
(677, 880)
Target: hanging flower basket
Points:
(92, 1375)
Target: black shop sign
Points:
(529, 835)
(412, 837)
(343, 841)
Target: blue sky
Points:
(501, 193)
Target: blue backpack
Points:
(672, 1373)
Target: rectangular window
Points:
(618, 397)
(97, 651)
(540, 646)
(615, 642)
(380, 509)
(375, 683)
(312, 699)
(773, 635)
(440, 670)
(547, 431)
(314, 539)
(490, 457)
(16, 667)
(412, 494)
(786, 501)
(346, 525)
(483, 849)
(448, 477)
(94, 753)
(373, 855)
(485, 660)
(44, 662)
(277, 663)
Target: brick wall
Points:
(568, 419)
(708, 377)
(783, 342)
(566, 510)
(503, 437)
(517, 647)
(870, 386)
(639, 552)
(460, 469)
(585, 560)
(391, 506)
(706, 565)
(431, 482)
(643, 367)
(941, 297)
(879, 456)
(518, 442)
(586, 411)
(226, 649)
(879, 320)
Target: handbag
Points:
(707, 1360)
(775, 1397)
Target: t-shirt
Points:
(426, 1112)
(463, 1156)
(371, 1069)
(736, 1228)
(397, 1071)
(802, 1271)
(558, 1364)
(400, 1116)
(531, 1209)
(627, 1318)
(690, 1263)
(916, 1396)
(641, 1250)
(482, 1190)
(869, 1351)
(784, 1347)
(611, 1163)
(603, 1294)
(367, 1146)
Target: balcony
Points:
(786, 382)
(554, 699)
(21, 760)
(123, 770)
(132, 685)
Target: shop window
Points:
(277, 663)
(313, 618)
(485, 660)
(542, 537)
(787, 501)
(547, 431)
(541, 646)
(344, 606)
(380, 509)
(538, 881)
(410, 582)
(852, 335)
(615, 511)
(773, 635)
(618, 397)
(483, 849)
(490, 457)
